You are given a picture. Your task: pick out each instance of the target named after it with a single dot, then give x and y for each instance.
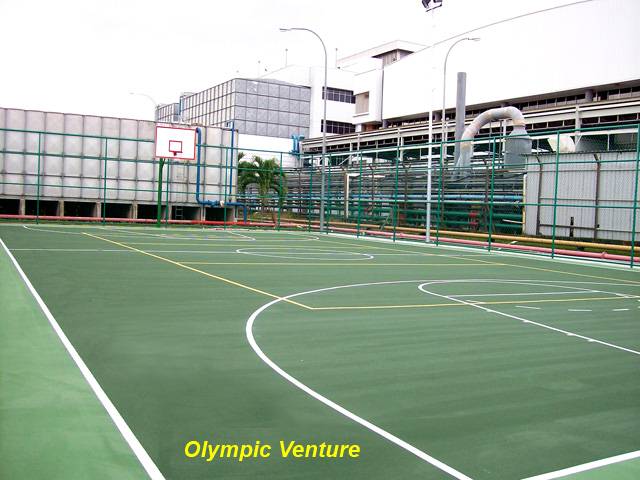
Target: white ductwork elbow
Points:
(494, 114)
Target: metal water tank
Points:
(14, 161)
(146, 169)
(92, 151)
(72, 161)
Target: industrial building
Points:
(378, 101)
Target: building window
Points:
(339, 95)
(362, 103)
(339, 128)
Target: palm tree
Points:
(267, 176)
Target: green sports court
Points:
(119, 345)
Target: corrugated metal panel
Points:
(580, 176)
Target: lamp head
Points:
(285, 29)
(431, 4)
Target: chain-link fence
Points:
(575, 194)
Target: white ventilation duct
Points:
(517, 143)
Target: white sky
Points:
(85, 56)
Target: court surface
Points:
(438, 362)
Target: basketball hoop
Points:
(175, 142)
(175, 147)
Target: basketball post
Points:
(159, 216)
(171, 143)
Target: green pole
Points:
(310, 203)
(225, 185)
(394, 210)
(440, 195)
(166, 195)
(491, 190)
(635, 199)
(555, 198)
(360, 179)
(159, 200)
(329, 207)
(104, 182)
(228, 156)
(38, 180)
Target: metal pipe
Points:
(461, 102)
(444, 84)
(214, 203)
(466, 147)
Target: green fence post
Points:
(491, 192)
(394, 210)
(310, 202)
(440, 194)
(38, 179)
(281, 198)
(360, 178)
(555, 197)
(327, 203)
(635, 199)
(224, 187)
(159, 199)
(104, 182)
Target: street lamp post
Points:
(324, 122)
(444, 83)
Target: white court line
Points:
(331, 404)
(490, 310)
(579, 310)
(525, 306)
(122, 426)
(586, 466)
(620, 309)
(521, 294)
(300, 253)
(385, 434)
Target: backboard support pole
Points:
(159, 213)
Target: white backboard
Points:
(178, 143)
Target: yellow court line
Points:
(468, 304)
(178, 264)
(358, 264)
